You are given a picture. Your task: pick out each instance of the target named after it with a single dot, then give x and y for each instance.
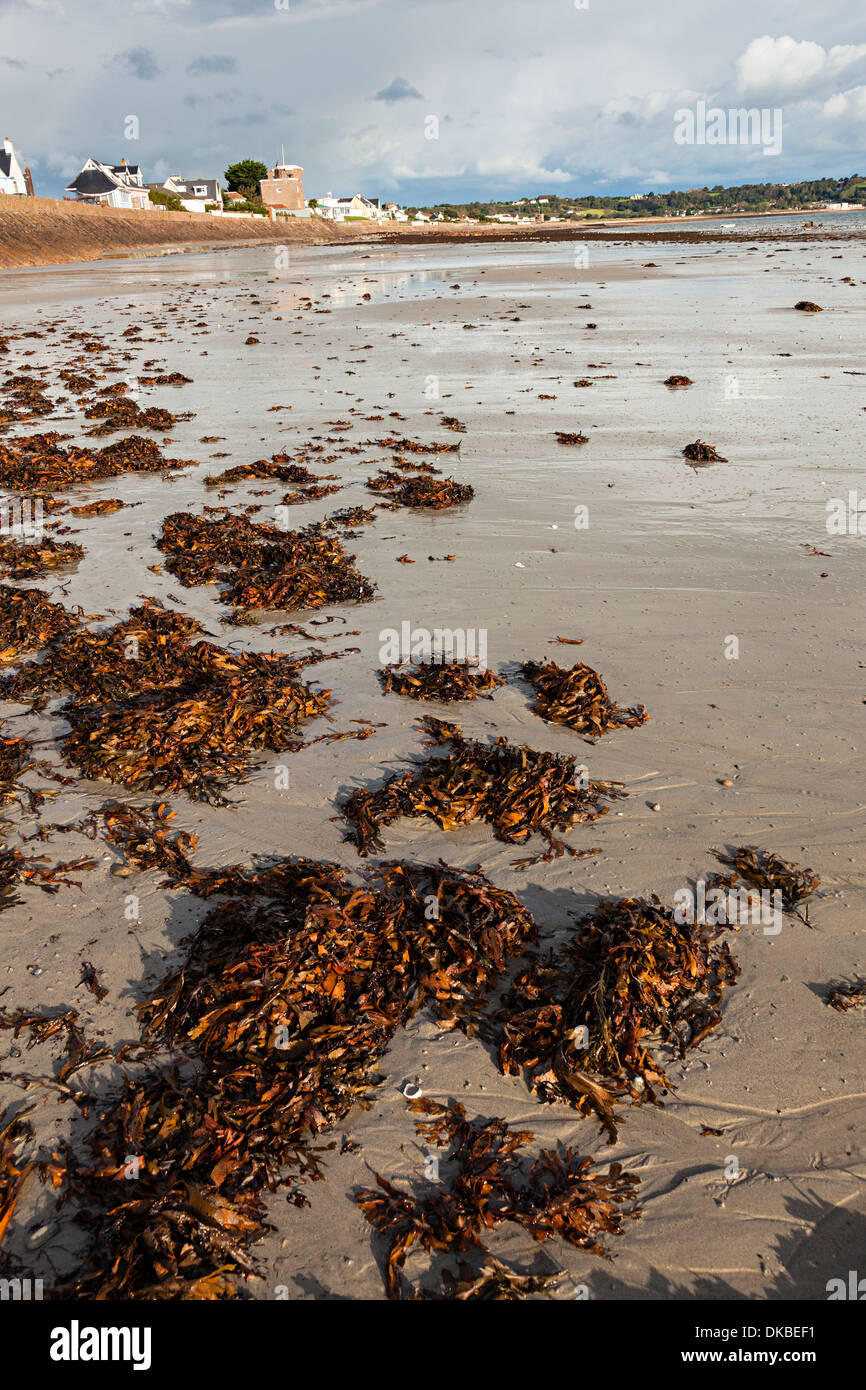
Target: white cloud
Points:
(783, 67)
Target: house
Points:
(395, 212)
(234, 198)
(12, 179)
(284, 188)
(112, 185)
(359, 206)
(195, 194)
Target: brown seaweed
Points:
(578, 698)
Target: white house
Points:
(12, 179)
(113, 185)
(195, 194)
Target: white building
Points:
(195, 194)
(113, 185)
(12, 179)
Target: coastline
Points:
(55, 232)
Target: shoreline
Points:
(43, 232)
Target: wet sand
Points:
(673, 563)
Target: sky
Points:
(427, 101)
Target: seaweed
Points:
(845, 997)
(445, 681)
(579, 1022)
(515, 789)
(578, 698)
(767, 872)
(154, 710)
(261, 566)
(29, 619)
(27, 559)
(420, 491)
(276, 1020)
(38, 462)
(702, 453)
(554, 1195)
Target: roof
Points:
(186, 187)
(90, 182)
(104, 178)
(5, 163)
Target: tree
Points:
(244, 177)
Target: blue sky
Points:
(528, 96)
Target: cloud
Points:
(217, 62)
(141, 62)
(785, 67)
(399, 90)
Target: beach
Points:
(715, 596)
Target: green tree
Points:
(244, 177)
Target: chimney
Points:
(7, 144)
(28, 179)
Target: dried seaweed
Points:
(767, 872)
(517, 790)
(555, 1195)
(563, 437)
(678, 381)
(39, 463)
(154, 710)
(26, 559)
(578, 1023)
(279, 1015)
(702, 453)
(845, 997)
(262, 567)
(578, 698)
(121, 413)
(420, 491)
(444, 681)
(278, 467)
(808, 307)
(29, 619)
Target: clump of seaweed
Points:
(517, 790)
(39, 463)
(29, 619)
(579, 1022)
(702, 453)
(767, 872)
(444, 681)
(564, 437)
(154, 710)
(806, 306)
(675, 381)
(578, 698)
(261, 566)
(278, 467)
(420, 491)
(286, 1002)
(554, 1195)
(120, 413)
(845, 997)
(26, 559)
(165, 379)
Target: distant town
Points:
(250, 188)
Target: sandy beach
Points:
(752, 1171)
